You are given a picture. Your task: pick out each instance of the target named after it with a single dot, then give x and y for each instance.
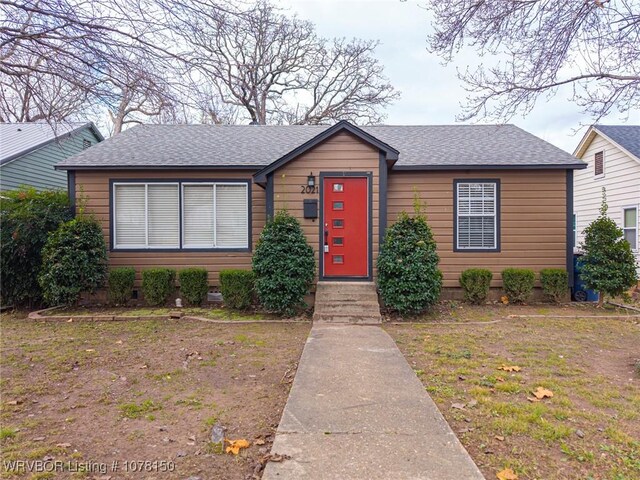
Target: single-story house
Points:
(30, 151)
(612, 153)
(199, 195)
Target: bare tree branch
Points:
(591, 45)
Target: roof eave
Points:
(391, 153)
(536, 166)
(158, 167)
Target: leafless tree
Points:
(593, 46)
(276, 69)
(91, 48)
(36, 97)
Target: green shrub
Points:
(555, 283)
(237, 287)
(608, 265)
(476, 282)
(284, 265)
(26, 218)
(518, 283)
(194, 285)
(408, 275)
(74, 260)
(157, 285)
(121, 282)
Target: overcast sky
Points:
(431, 93)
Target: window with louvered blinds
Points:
(147, 216)
(198, 216)
(163, 216)
(215, 215)
(130, 217)
(231, 216)
(476, 215)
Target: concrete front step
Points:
(349, 309)
(349, 319)
(347, 302)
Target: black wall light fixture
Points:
(311, 180)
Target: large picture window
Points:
(477, 215)
(180, 215)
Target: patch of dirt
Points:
(108, 393)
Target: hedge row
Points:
(517, 284)
(158, 284)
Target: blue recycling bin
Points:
(579, 292)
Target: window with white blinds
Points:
(146, 215)
(212, 215)
(215, 215)
(476, 211)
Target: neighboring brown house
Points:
(199, 195)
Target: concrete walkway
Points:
(357, 411)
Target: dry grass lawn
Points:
(589, 429)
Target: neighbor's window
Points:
(215, 215)
(476, 215)
(630, 226)
(598, 163)
(147, 215)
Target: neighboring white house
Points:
(613, 156)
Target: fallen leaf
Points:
(541, 393)
(119, 342)
(533, 399)
(472, 403)
(235, 445)
(499, 438)
(63, 445)
(14, 402)
(510, 368)
(459, 406)
(90, 350)
(504, 299)
(259, 441)
(499, 379)
(507, 474)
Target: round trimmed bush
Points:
(194, 285)
(518, 283)
(74, 260)
(157, 285)
(237, 287)
(408, 275)
(475, 283)
(555, 283)
(121, 282)
(284, 265)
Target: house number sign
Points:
(309, 189)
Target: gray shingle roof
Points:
(627, 136)
(17, 139)
(184, 146)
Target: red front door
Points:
(346, 226)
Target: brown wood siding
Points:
(93, 186)
(341, 153)
(533, 218)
